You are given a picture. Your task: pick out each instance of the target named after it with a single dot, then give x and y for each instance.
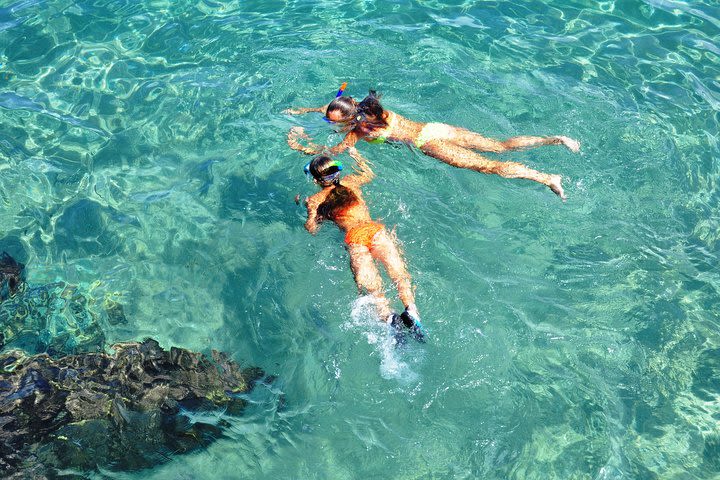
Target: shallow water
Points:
(142, 155)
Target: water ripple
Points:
(142, 150)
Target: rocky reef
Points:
(11, 276)
(68, 406)
(120, 411)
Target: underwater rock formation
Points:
(11, 276)
(119, 411)
(67, 407)
(55, 318)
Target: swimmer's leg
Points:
(386, 250)
(466, 138)
(463, 158)
(368, 279)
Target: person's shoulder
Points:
(316, 197)
(353, 182)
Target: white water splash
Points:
(364, 319)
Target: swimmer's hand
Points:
(297, 132)
(555, 184)
(297, 199)
(292, 111)
(294, 136)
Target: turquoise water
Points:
(143, 157)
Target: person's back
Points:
(345, 206)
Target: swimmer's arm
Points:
(312, 224)
(302, 110)
(310, 148)
(349, 141)
(363, 173)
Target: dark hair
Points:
(346, 105)
(370, 111)
(322, 166)
(340, 198)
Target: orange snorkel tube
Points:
(342, 89)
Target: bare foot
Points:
(572, 145)
(555, 184)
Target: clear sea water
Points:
(143, 157)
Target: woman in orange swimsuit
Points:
(367, 240)
(453, 145)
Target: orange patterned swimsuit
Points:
(363, 234)
(354, 213)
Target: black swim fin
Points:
(396, 329)
(403, 322)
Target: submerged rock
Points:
(11, 276)
(67, 407)
(119, 411)
(52, 318)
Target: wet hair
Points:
(322, 166)
(370, 111)
(347, 106)
(337, 200)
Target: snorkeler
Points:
(453, 145)
(367, 240)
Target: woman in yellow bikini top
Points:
(453, 145)
(367, 241)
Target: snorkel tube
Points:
(341, 90)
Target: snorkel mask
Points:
(329, 178)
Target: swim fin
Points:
(414, 325)
(396, 329)
(407, 321)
